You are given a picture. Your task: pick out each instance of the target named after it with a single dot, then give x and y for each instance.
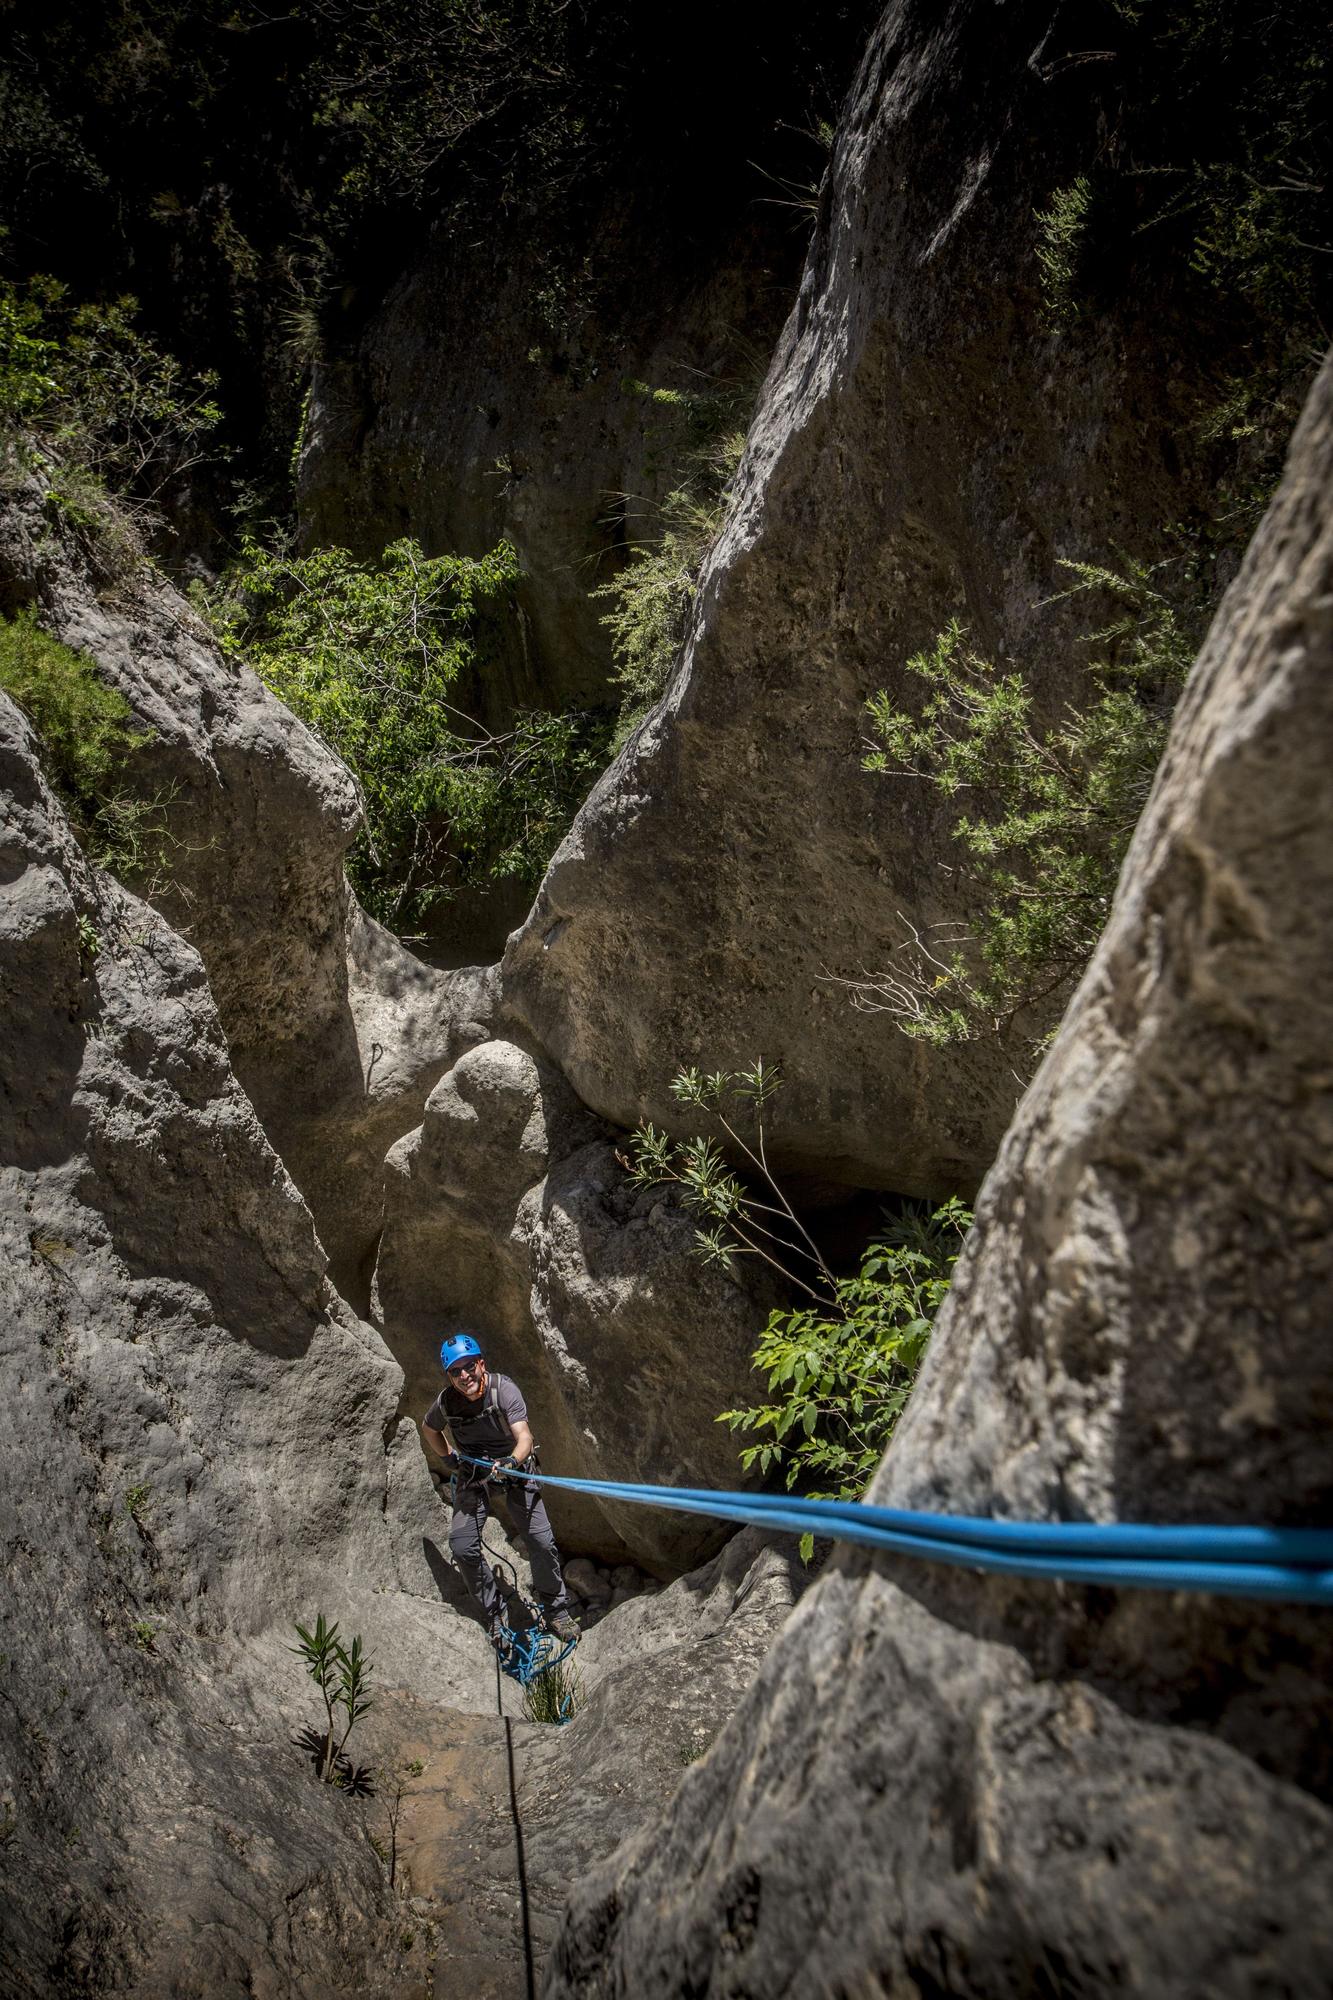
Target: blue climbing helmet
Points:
(458, 1347)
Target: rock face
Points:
(531, 372)
(925, 447)
(201, 1446)
(658, 1679)
(946, 1784)
(335, 1030)
(508, 1212)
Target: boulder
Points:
(335, 1030)
(947, 1783)
(504, 1212)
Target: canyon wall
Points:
(946, 1783)
(932, 442)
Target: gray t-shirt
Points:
(484, 1427)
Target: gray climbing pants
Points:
(527, 1513)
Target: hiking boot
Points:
(562, 1627)
(497, 1631)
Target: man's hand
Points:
(501, 1467)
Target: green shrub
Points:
(89, 384)
(84, 725)
(650, 598)
(370, 655)
(87, 743)
(839, 1374)
(1045, 814)
(1061, 234)
(26, 358)
(841, 1368)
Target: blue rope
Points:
(1292, 1564)
(525, 1656)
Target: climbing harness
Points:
(1293, 1565)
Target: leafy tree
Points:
(370, 655)
(84, 381)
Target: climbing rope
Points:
(1291, 1564)
(525, 1656)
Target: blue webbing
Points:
(1294, 1564)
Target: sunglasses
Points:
(461, 1368)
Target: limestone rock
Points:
(659, 1679)
(199, 1445)
(949, 1784)
(335, 1030)
(504, 1213)
(924, 448)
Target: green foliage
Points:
(839, 1369)
(1205, 195)
(26, 358)
(1061, 233)
(136, 1502)
(1045, 814)
(87, 744)
(650, 598)
(95, 389)
(341, 1674)
(735, 1219)
(839, 1374)
(1237, 167)
(554, 1696)
(143, 1635)
(370, 654)
(83, 724)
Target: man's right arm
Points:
(439, 1441)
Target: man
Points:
(483, 1415)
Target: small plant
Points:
(1061, 235)
(340, 1673)
(136, 1503)
(554, 1696)
(143, 1635)
(737, 1221)
(839, 1369)
(1044, 815)
(396, 1785)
